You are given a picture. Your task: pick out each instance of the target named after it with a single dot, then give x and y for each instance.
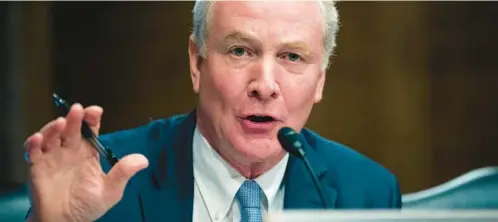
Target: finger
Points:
(121, 173)
(51, 134)
(72, 132)
(33, 153)
(49, 126)
(92, 116)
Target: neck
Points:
(247, 168)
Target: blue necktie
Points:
(249, 196)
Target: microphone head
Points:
(290, 141)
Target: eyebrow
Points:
(299, 46)
(238, 36)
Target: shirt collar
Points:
(219, 182)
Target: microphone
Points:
(291, 143)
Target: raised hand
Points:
(66, 178)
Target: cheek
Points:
(224, 86)
(299, 97)
(299, 94)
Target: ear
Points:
(319, 87)
(195, 62)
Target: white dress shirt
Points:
(216, 184)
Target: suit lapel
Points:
(171, 188)
(300, 191)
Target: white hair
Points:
(202, 10)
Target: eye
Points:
(293, 57)
(238, 51)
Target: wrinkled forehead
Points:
(300, 16)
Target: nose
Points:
(263, 85)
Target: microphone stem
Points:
(317, 184)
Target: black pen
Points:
(87, 132)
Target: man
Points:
(257, 67)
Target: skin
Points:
(258, 61)
(66, 180)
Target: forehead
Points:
(273, 18)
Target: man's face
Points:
(262, 72)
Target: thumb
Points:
(123, 170)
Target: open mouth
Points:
(260, 119)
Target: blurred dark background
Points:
(414, 85)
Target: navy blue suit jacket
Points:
(165, 190)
